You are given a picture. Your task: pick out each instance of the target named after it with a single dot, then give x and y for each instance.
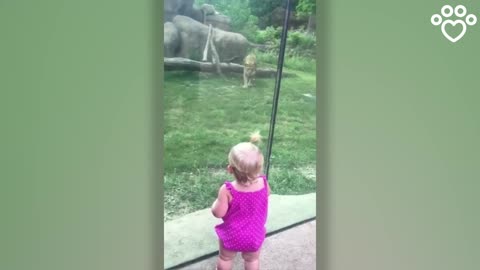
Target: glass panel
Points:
(221, 60)
(293, 158)
(207, 112)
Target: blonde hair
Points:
(246, 159)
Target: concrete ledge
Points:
(300, 254)
(193, 235)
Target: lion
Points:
(249, 70)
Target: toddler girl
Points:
(243, 206)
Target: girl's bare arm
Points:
(220, 205)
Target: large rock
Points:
(172, 8)
(231, 47)
(219, 21)
(171, 39)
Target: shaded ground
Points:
(292, 249)
(193, 236)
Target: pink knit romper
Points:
(243, 228)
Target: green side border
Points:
(322, 57)
(157, 192)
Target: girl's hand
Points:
(220, 205)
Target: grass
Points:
(293, 61)
(205, 115)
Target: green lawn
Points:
(205, 115)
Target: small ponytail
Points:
(255, 137)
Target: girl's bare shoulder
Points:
(251, 188)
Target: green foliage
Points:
(294, 38)
(301, 41)
(267, 58)
(265, 7)
(293, 60)
(301, 44)
(306, 7)
(269, 35)
(242, 20)
(301, 62)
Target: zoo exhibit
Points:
(221, 62)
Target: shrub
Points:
(270, 35)
(301, 40)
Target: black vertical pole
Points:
(283, 43)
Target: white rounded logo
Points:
(459, 24)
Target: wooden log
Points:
(178, 63)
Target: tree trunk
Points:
(311, 23)
(178, 63)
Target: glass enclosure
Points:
(220, 70)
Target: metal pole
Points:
(278, 81)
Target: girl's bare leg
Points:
(225, 258)
(251, 260)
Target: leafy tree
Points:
(263, 10)
(239, 12)
(306, 7)
(265, 7)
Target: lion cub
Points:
(249, 70)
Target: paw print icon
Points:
(452, 29)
